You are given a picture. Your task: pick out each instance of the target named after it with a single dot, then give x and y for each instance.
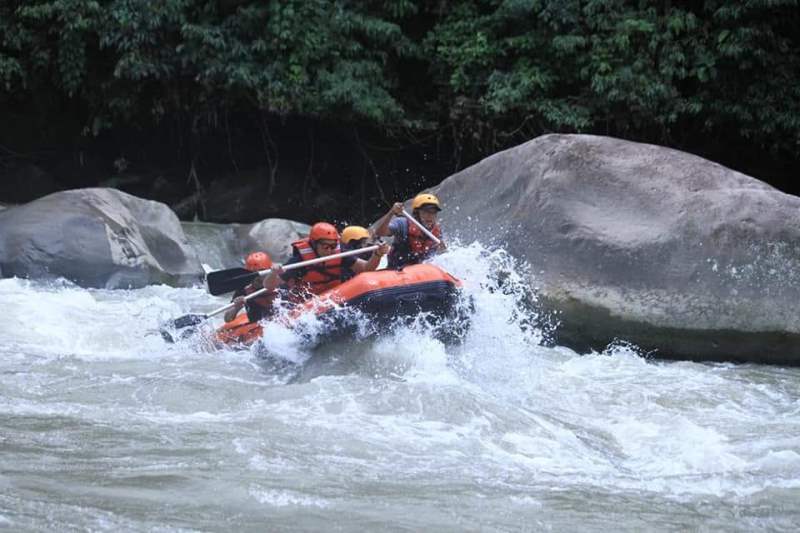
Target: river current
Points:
(105, 427)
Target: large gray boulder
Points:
(225, 245)
(101, 238)
(638, 242)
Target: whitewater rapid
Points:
(104, 426)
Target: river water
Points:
(103, 426)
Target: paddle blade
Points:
(169, 330)
(232, 279)
(187, 320)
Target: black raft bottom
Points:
(438, 303)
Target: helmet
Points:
(354, 233)
(323, 230)
(257, 261)
(421, 200)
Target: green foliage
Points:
(139, 60)
(488, 72)
(634, 69)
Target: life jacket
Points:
(259, 307)
(322, 276)
(415, 249)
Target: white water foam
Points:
(431, 427)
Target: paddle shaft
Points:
(422, 228)
(293, 266)
(232, 304)
(233, 279)
(316, 260)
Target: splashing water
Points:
(104, 426)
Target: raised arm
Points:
(382, 228)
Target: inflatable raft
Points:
(381, 297)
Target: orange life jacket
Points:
(420, 244)
(322, 276)
(415, 249)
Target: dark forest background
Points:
(237, 110)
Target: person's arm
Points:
(368, 266)
(278, 274)
(231, 313)
(273, 279)
(238, 301)
(382, 227)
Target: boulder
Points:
(672, 252)
(273, 236)
(225, 245)
(97, 238)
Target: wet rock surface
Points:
(97, 238)
(638, 242)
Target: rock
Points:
(273, 236)
(97, 238)
(638, 242)
(225, 245)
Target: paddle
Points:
(194, 319)
(242, 277)
(233, 279)
(422, 228)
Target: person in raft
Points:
(411, 245)
(261, 306)
(355, 238)
(322, 241)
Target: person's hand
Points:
(383, 249)
(397, 208)
(271, 279)
(238, 302)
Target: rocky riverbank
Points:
(625, 241)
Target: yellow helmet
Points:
(424, 199)
(354, 233)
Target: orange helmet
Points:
(257, 261)
(323, 230)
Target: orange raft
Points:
(382, 295)
(239, 331)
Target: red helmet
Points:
(323, 230)
(258, 261)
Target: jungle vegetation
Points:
(373, 99)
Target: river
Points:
(105, 427)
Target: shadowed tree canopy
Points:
(379, 98)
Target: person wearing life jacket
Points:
(261, 306)
(355, 238)
(411, 245)
(323, 240)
